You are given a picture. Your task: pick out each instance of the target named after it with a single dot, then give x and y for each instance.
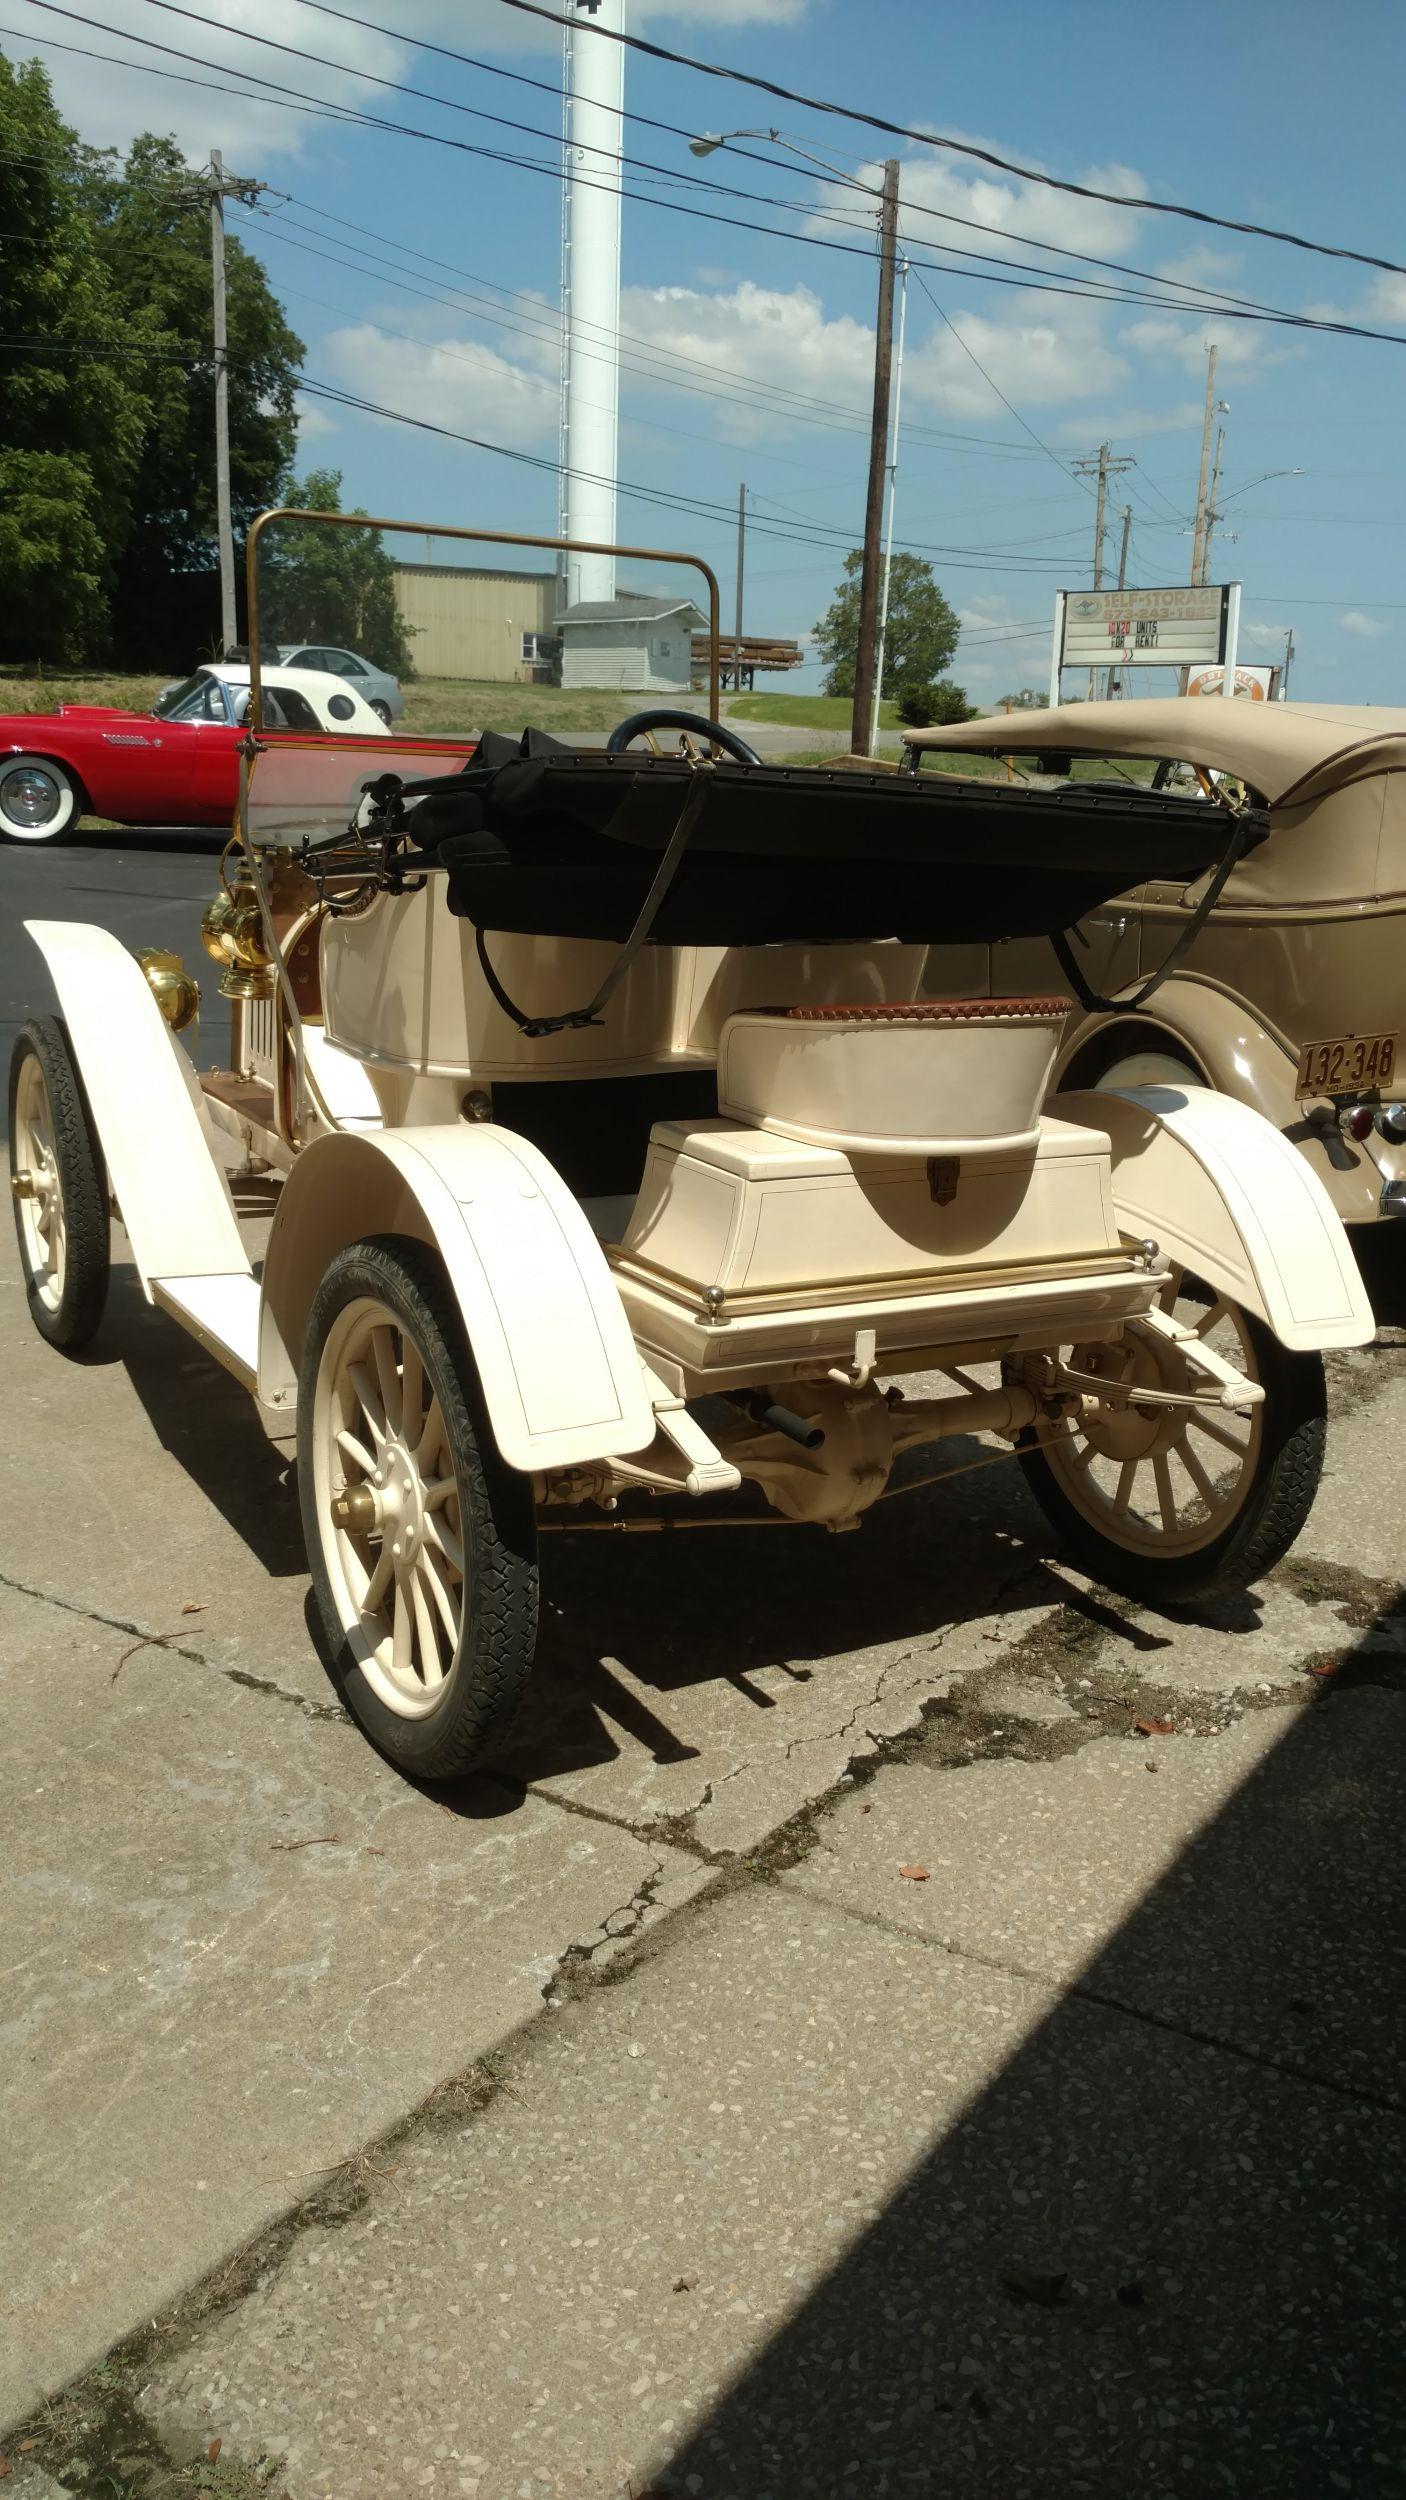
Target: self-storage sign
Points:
(1189, 627)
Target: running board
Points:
(221, 1313)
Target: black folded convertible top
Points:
(565, 844)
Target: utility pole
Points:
(1127, 520)
(1106, 467)
(741, 567)
(216, 186)
(892, 501)
(869, 578)
(229, 621)
(1288, 662)
(1211, 353)
(1212, 500)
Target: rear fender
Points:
(1241, 1057)
(1224, 1194)
(561, 1375)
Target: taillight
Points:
(1360, 1121)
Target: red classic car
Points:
(177, 764)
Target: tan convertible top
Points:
(1277, 748)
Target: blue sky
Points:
(1284, 115)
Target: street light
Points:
(883, 458)
(1262, 480)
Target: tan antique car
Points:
(1289, 992)
(625, 1159)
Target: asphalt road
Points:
(148, 888)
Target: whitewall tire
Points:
(39, 799)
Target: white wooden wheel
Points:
(1162, 1480)
(388, 1501)
(39, 1209)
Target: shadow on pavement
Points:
(1163, 2252)
(208, 1423)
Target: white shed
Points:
(640, 644)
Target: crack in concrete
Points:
(1080, 1992)
(172, 1647)
(571, 1974)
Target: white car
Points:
(380, 689)
(294, 698)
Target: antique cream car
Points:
(1289, 993)
(627, 1159)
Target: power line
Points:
(1064, 465)
(962, 560)
(958, 147)
(1202, 297)
(995, 273)
(773, 397)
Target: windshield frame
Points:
(168, 706)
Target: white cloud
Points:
(1008, 212)
(1037, 360)
(109, 105)
(1268, 637)
(457, 382)
(720, 12)
(1175, 339)
(1353, 621)
(757, 335)
(313, 421)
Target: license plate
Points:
(1356, 1063)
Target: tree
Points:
(922, 628)
(72, 405)
(329, 585)
(922, 707)
(107, 426)
(152, 227)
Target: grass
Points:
(435, 707)
(442, 707)
(34, 691)
(804, 711)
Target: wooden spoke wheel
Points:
(422, 1542)
(1172, 1503)
(59, 1188)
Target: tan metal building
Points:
(470, 621)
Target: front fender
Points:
(561, 1375)
(1225, 1195)
(147, 1107)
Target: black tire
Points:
(1271, 1512)
(484, 1685)
(69, 1315)
(381, 710)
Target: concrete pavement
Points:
(630, 2121)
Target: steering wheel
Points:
(690, 725)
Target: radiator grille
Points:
(259, 1037)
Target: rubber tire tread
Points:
(484, 1689)
(1270, 1519)
(83, 1181)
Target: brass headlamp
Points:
(175, 992)
(232, 934)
